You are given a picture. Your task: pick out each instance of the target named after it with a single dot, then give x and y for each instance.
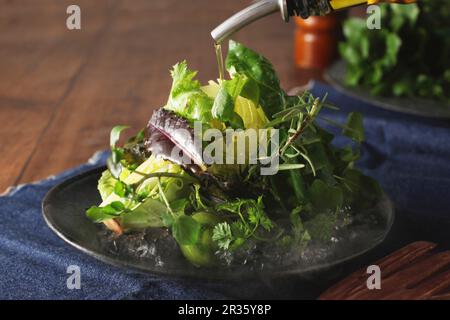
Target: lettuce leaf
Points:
(106, 184)
(251, 114)
(244, 61)
(149, 185)
(145, 208)
(165, 131)
(148, 214)
(186, 97)
(223, 108)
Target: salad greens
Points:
(263, 86)
(186, 97)
(408, 56)
(217, 208)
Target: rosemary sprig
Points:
(303, 123)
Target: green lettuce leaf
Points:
(186, 97)
(251, 114)
(241, 85)
(106, 184)
(148, 214)
(244, 61)
(186, 230)
(223, 107)
(112, 210)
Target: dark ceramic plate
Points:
(64, 211)
(416, 106)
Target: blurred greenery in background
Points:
(408, 56)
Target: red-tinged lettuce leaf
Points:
(167, 131)
(170, 137)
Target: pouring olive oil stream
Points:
(219, 57)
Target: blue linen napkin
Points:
(34, 261)
(408, 155)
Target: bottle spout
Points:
(254, 12)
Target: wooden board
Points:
(417, 271)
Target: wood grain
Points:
(413, 272)
(61, 91)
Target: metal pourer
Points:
(262, 8)
(254, 12)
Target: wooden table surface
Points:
(62, 90)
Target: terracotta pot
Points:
(316, 40)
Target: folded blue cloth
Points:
(34, 261)
(408, 155)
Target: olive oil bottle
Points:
(306, 8)
(287, 8)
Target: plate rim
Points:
(248, 275)
(380, 102)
